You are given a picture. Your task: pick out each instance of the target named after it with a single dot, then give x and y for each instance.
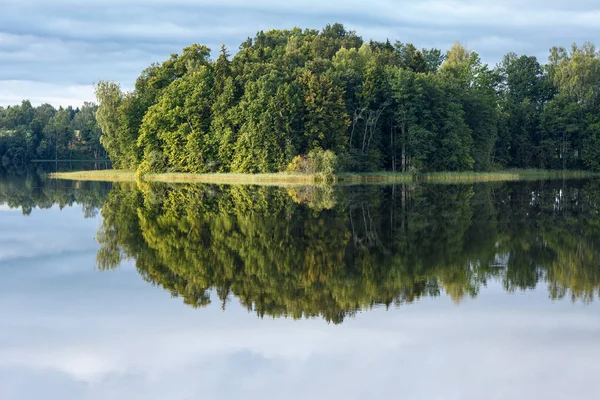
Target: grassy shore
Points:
(280, 179)
(71, 160)
(508, 175)
(286, 179)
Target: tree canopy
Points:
(372, 106)
(44, 132)
(376, 105)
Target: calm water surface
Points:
(122, 291)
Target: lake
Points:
(412, 291)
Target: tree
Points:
(87, 131)
(325, 120)
(268, 111)
(109, 117)
(525, 91)
(58, 133)
(576, 74)
(175, 130)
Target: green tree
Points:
(268, 110)
(325, 120)
(110, 118)
(174, 132)
(58, 134)
(87, 132)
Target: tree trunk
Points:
(403, 148)
(357, 117)
(392, 148)
(366, 131)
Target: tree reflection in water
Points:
(332, 251)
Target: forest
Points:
(328, 101)
(45, 133)
(311, 101)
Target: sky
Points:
(54, 51)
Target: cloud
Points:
(73, 43)
(12, 92)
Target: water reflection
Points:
(330, 252)
(69, 331)
(29, 189)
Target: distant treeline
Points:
(43, 132)
(355, 106)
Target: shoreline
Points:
(287, 179)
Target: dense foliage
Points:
(43, 132)
(376, 105)
(331, 251)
